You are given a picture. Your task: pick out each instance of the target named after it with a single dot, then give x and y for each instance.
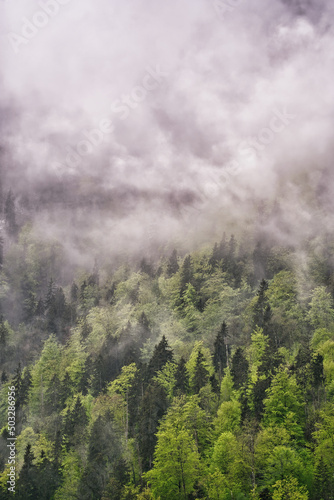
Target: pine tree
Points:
(186, 274)
(220, 351)
(172, 265)
(239, 369)
(215, 257)
(162, 353)
(201, 375)
(181, 378)
(27, 484)
(76, 421)
(146, 267)
(262, 311)
(153, 407)
(104, 449)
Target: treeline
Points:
(209, 375)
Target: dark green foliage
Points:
(262, 310)
(27, 484)
(152, 409)
(75, 423)
(147, 268)
(161, 355)
(104, 450)
(201, 375)
(239, 369)
(220, 351)
(181, 378)
(172, 265)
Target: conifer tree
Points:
(181, 378)
(27, 484)
(239, 369)
(172, 265)
(220, 351)
(162, 353)
(201, 375)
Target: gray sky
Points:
(203, 107)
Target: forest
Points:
(207, 374)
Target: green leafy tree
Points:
(321, 313)
(284, 405)
(176, 462)
(288, 489)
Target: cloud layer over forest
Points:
(141, 121)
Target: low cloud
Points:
(129, 125)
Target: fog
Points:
(129, 126)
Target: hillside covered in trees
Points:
(204, 375)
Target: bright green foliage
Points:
(206, 361)
(228, 458)
(284, 405)
(72, 473)
(43, 372)
(176, 463)
(225, 452)
(166, 378)
(227, 391)
(288, 489)
(256, 351)
(228, 417)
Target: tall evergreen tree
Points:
(27, 484)
(220, 351)
(162, 353)
(172, 265)
(239, 369)
(181, 378)
(201, 375)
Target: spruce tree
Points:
(172, 265)
(27, 483)
(239, 369)
(220, 351)
(181, 378)
(161, 355)
(201, 375)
